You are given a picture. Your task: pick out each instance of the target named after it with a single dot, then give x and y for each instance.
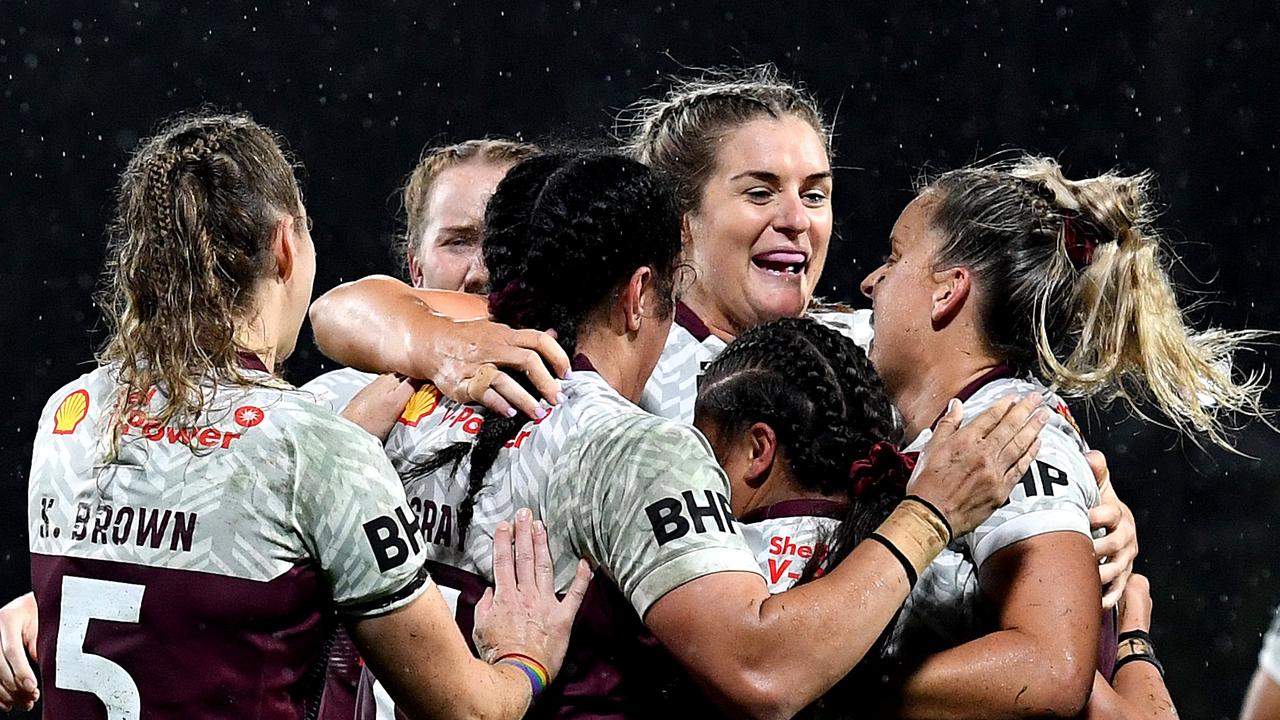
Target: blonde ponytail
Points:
(1077, 292)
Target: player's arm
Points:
(380, 324)
(1138, 691)
(417, 653)
(19, 623)
(769, 656)
(1042, 660)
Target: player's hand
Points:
(967, 472)
(19, 622)
(1135, 605)
(1116, 550)
(471, 364)
(379, 404)
(521, 614)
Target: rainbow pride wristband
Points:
(534, 670)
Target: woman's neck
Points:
(926, 392)
(616, 362)
(256, 333)
(717, 322)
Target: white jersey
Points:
(191, 577)
(639, 496)
(334, 389)
(944, 608)
(672, 389)
(785, 536)
(1269, 657)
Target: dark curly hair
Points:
(562, 232)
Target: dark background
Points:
(1184, 88)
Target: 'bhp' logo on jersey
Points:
(667, 516)
(71, 412)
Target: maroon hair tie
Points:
(1078, 237)
(883, 464)
(515, 304)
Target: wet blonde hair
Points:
(1075, 290)
(198, 203)
(678, 133)
(436, 160)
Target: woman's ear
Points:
(635, 297)
(284, 247)
(762, 446)
(950, 294)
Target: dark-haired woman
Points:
(589, 246)
(196, 521)
(1031, 281)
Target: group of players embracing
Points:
(644, 474)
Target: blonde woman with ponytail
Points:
(1009, 277)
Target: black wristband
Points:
(1139, 634)
(906, 564)
(951, 533)
(1144, 657)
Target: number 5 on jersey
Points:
(84, 599)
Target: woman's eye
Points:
(760, 195)
(815, 197)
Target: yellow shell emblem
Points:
(73, 409)
(420, 405)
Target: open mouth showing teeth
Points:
(781, 263)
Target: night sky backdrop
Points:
(1187, 89)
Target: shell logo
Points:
(420, 405)
(71, 412)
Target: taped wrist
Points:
(915, 534)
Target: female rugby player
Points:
(588, 246)
(1030, 281)
(195, 520)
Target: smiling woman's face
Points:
(759, 235)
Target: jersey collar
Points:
(689, 320)
(249, 361)
(800, 507)
(998, 372)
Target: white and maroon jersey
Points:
(335, 389)
(195, 575)
(639, 496)
(672, 389)
(785, 536)
(945, 607)
(1269, 657)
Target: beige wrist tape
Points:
(917, 533)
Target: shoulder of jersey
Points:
(854, 324)
(1061, 420)
(335, 388)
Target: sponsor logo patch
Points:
(420, 405)
(71, 411)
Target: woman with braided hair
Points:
(1033, 282)
(197, 522)
(588, 246)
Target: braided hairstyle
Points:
(563, 232)
(197, 206)
(812, 385)
(680, 132)
(1076, 291)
